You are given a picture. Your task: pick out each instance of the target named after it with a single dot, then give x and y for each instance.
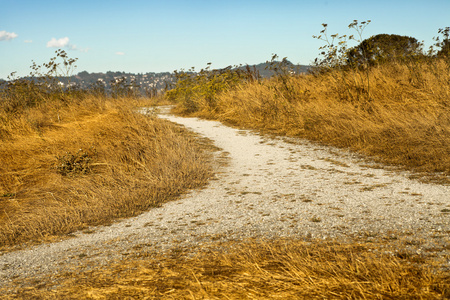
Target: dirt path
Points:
(270, 188)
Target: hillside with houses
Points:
(151, 83)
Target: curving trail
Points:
(269, 188)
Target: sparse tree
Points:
(444, 42)
(384, 47)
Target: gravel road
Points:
(270, 187)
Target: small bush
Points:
(42, 85)
(200, 90)
(80, 163)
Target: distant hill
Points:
(155, 81)
(265, 72)
(145, 82)
(150, 82)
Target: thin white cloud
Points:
(120, 53)
(6, 36)
(28, 41)
(64, 43)
(75, 47)
(58, 43)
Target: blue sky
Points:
(155, 36)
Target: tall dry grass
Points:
(65, 165)
(68, 165)
(405, 120)
(284, 269)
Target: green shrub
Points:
(194, 90)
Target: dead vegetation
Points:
(283, 269)
(405, 122)
(66, 167)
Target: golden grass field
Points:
(65, 168)
(398, 113)
(129, 163)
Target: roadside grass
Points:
(67, 166)
(76, 162)
(282, 269)
(404, 121)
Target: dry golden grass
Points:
(127, 163)
(405, 120)
(284, 269)
(136, 162)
